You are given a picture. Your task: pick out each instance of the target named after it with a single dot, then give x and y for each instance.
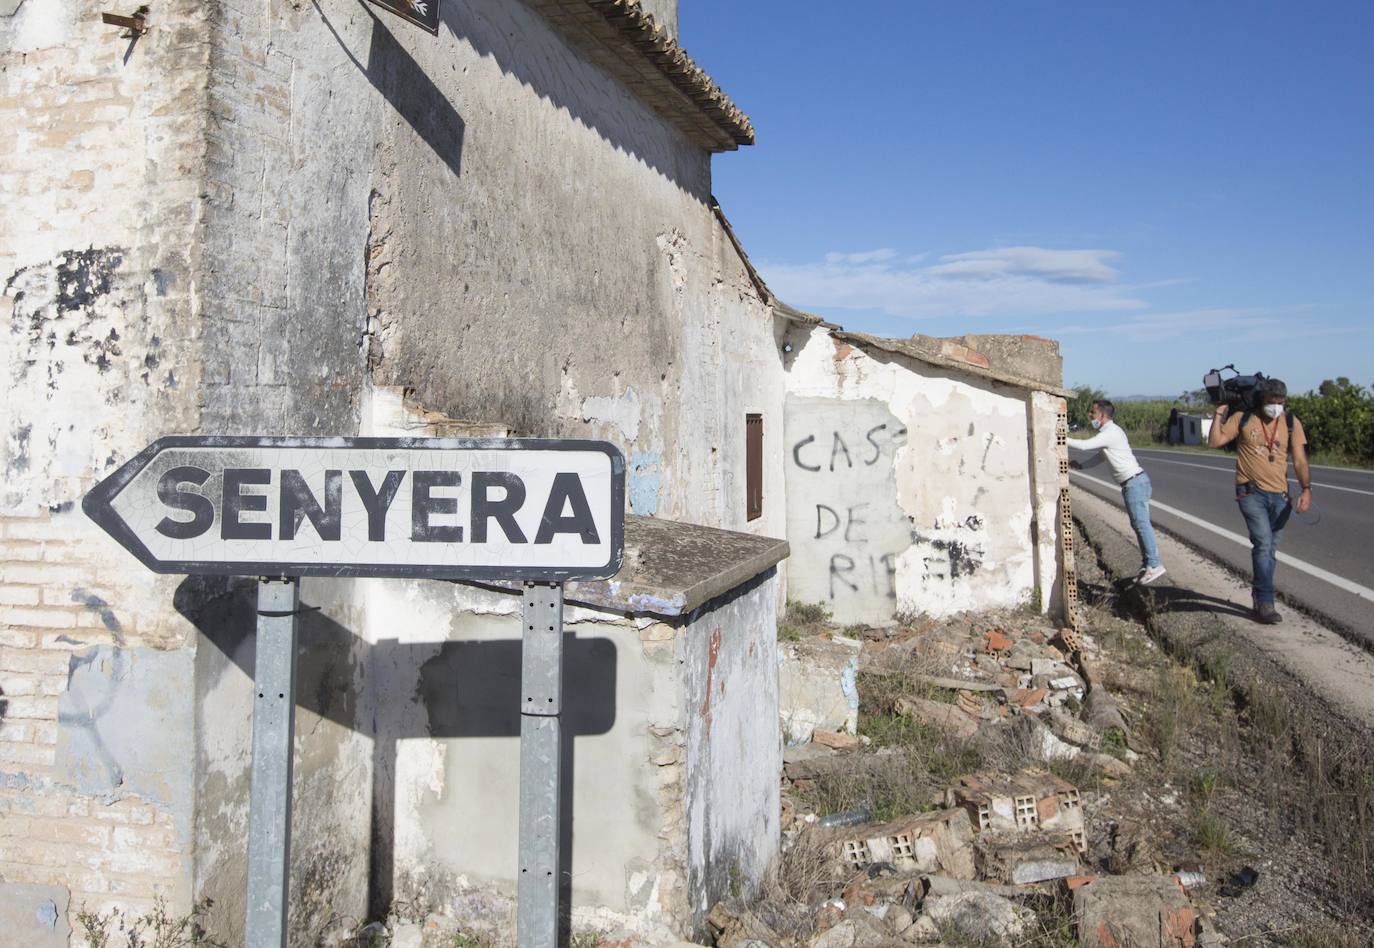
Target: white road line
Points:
(1340, 582)
(1228, 470)
(1315, 467)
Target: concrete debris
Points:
(931, 842)
(834, 739)
(944, 885)
(801, 753)
(407, 935)
(737, 928)
(439, 930)
(1068, 728)
(1043, 741)
(1024, 858)
(1101, 712)
(1135, 912)
(1130, 847)
(878, 893)
(979, 917)
(1111, 767)
(799, 763)
(959, 684)
(1030, 800)
(856, 930)
(816, 687)
(946, 717)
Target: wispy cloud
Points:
(1005, 281)
(1250, 324)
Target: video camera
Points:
(1238, 392)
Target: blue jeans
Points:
(1266, 513)
(1136, 493)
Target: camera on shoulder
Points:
(1237, 392)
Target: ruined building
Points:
(318, 219)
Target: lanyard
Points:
(1270, 440)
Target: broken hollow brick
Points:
(996, 642)
(941, 841)
(1024, 802)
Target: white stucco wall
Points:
(908, 486)
(672, 772)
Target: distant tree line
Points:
(1338, 418)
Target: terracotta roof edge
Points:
(903, 347)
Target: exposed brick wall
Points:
(98, 270)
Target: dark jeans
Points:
(1266, 513)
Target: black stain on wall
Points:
(83, 276)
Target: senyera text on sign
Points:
(457, 508)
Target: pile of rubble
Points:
(997, 858)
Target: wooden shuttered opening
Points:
(753, 466)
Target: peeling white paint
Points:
(622, 413)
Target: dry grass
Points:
(803, 877)
(1323, 782)
(1324, 936)
(802, 618)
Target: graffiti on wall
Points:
(850, 536)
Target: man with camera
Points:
(1111, 445)
(1266, 436)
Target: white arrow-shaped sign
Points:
(452, 508)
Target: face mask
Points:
(1273, 411)
(1097, 425)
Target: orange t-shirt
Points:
(1252, 449)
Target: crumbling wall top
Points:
(672, 568)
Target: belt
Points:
(1131, 478)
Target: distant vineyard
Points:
(1338, 419)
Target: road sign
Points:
(454, 508)
(423, 13)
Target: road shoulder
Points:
(1203, 610)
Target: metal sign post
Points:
(541, 706)
(269, 797)
(540, 511)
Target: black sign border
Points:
(98, 506)
(410, 17)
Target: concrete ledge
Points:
(672, 568)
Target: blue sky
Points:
(1161, 187)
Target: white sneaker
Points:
(1149, 574)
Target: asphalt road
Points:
(1335, 538)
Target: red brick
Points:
(997, 641)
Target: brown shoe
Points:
(1266, 614)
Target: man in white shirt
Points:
(1110, 443)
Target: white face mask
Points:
(1273, 411)
(1097, 425)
